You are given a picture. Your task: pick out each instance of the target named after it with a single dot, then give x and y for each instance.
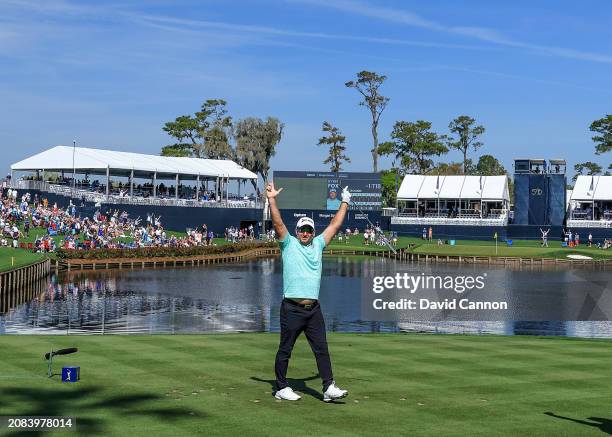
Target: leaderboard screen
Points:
(321, 190)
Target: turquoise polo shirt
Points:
(302, 267)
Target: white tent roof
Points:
(96, 161)
(588, 188)
(431, 186)
(472, 187)
(451, 187)
(493, 185)
(231, 167)
(410, 187)
(454, 187)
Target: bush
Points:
(158, 252)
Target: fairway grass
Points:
(519, 248)
(12, 258)
(400, 384)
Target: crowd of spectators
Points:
(55, 227)
(236, 234)
(146, 190)
(572, 239)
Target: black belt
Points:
(306, 306)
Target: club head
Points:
(66, 351)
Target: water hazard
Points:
(246, 297)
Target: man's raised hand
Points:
(346, 195)
(271, 192)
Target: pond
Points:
(246, 297)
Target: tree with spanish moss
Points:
(256, 141)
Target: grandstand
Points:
(590, 204)
(452, 200)
(119, 171)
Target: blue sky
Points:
(110, 74)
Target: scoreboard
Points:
(322, 190)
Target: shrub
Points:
(157, 252)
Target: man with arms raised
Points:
(300, 309)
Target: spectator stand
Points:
(452, 200)
(590, 204)
(188, 181)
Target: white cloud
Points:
(60, 8)
(181, 23)
(480, 33)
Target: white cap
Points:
(305, 221)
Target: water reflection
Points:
(239, 297)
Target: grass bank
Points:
(14, 258)
(423, 385)
(519, 249)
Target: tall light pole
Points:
(73, 167)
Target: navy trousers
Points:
(293, 321)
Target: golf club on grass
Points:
(49, 357)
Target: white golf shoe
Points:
(287, 394)
(334, 392)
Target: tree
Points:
(388, 180)
(466, 136)
(488, 165)
(415, 143)
(388, 193)
(182, 128)
(216, 137)
(368, 84)
(335, 140)
(591, 168)
(180, 149)
(603, 139)
(468, 167)
(255, 144)
(387, 149)
(450, 169)
(207, 133)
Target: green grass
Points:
(419, 385)
(519, 248)
(12, 258)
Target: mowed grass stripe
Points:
(404, 384)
